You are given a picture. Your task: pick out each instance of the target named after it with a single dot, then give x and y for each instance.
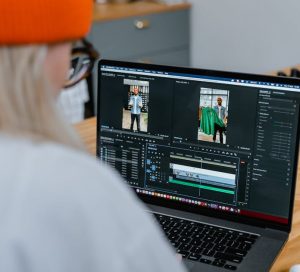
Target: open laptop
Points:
(213, 154)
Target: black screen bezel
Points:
(212, 73)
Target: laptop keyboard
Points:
(205, 243)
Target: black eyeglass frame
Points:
(88, 49)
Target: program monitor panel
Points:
(216, 142)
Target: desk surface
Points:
(290, 254)
(108, 12)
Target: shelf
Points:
(109, 12)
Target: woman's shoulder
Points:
(47, 165)
(52, 176)
(77, 168)
(79, 209)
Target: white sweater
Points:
(63, 211)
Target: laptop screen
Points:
(212, 140)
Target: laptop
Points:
(213, 155)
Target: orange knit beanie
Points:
(43, 21)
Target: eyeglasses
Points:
(83, 57)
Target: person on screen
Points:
(222, 115)
(61, 209)
(136, 104)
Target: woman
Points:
(60, 209)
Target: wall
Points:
(242, 35)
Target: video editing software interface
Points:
(221, 143)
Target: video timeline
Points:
(192, 176)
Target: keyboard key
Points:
(246, 240)
(223, 242)
(194, 257)
(231, 237)
(209, 239)
(185, 247)
(219, 264)
(177, 225)
(199, 236)
(209, 252)
(193, 240)
(218, 240)
(245, 247)
(231, 243)
(173, 237)
(219, 234)
(175, 231)
(183, 253)
(175, 244)
(197, 250)
(186, 233)
(219, 248)
(237, 252)
(235, 245)
(228, 257)
(196, 242)
(206, 261)
(243, 234)
(230, 267)
(206, 231)
(165, 228)
(209, 245)
(185, 240)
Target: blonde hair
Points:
(27, 102)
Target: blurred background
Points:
(246, 36)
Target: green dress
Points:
(208, 119)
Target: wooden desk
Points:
(291, 252)
(87, 131)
